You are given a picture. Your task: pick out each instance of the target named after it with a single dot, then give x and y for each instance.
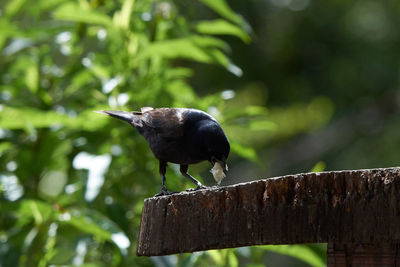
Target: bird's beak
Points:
(225, 166)
(222, 163)
(122, 115)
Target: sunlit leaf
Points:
(28, 210)
(318, 167)
(262, 125)
(25, 117)
(32, 77)
(52, 183)
(79, 81)
(48, 4)
(4, 146)
(100, 71)
(182, 92)
(217, 256)
(222, 27)
(13, 7)
(256, 110)
(74, 12)
(222, 8)
(8, 29)
(232, 259)
(177, 73)
(92, 222)
(209, 42)
(197, 48)
(122, 18)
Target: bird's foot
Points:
(164, 192)
(199, 187)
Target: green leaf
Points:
(13, 7)
(318, 167)
(32, 76)
(23, 118)
(100, 71)
(209, 42)
(301, 252)
(75, 13)
(4, 146)
(178, 73)
(43, 5)
(8, 29)
(52, 183)
(28, 210)
(298, 118)
(182, 92)
(232, 259)
(81, 79)
(244, 151)
(217, 256)
(222, 8)
(256, 110)
(262, 125)
(198, 48)
(221, 26)
(122, 18)
(93, 222)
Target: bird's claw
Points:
(200, 186)
(164, 192)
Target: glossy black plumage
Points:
(179, 135)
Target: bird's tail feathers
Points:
(122, 115)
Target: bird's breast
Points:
(172, 150)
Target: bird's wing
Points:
(167, 122)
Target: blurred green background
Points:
(298, 85)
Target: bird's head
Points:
(220, 160)
(214, 145)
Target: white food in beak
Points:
(218, 172)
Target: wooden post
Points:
(366, 255)
(356, 212)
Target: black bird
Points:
(182, 136)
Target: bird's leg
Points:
(163, 170)
(184, 172)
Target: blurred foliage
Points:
(297, 85)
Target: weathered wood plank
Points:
(365, 255)
(357, 206)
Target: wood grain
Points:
(341, 207)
